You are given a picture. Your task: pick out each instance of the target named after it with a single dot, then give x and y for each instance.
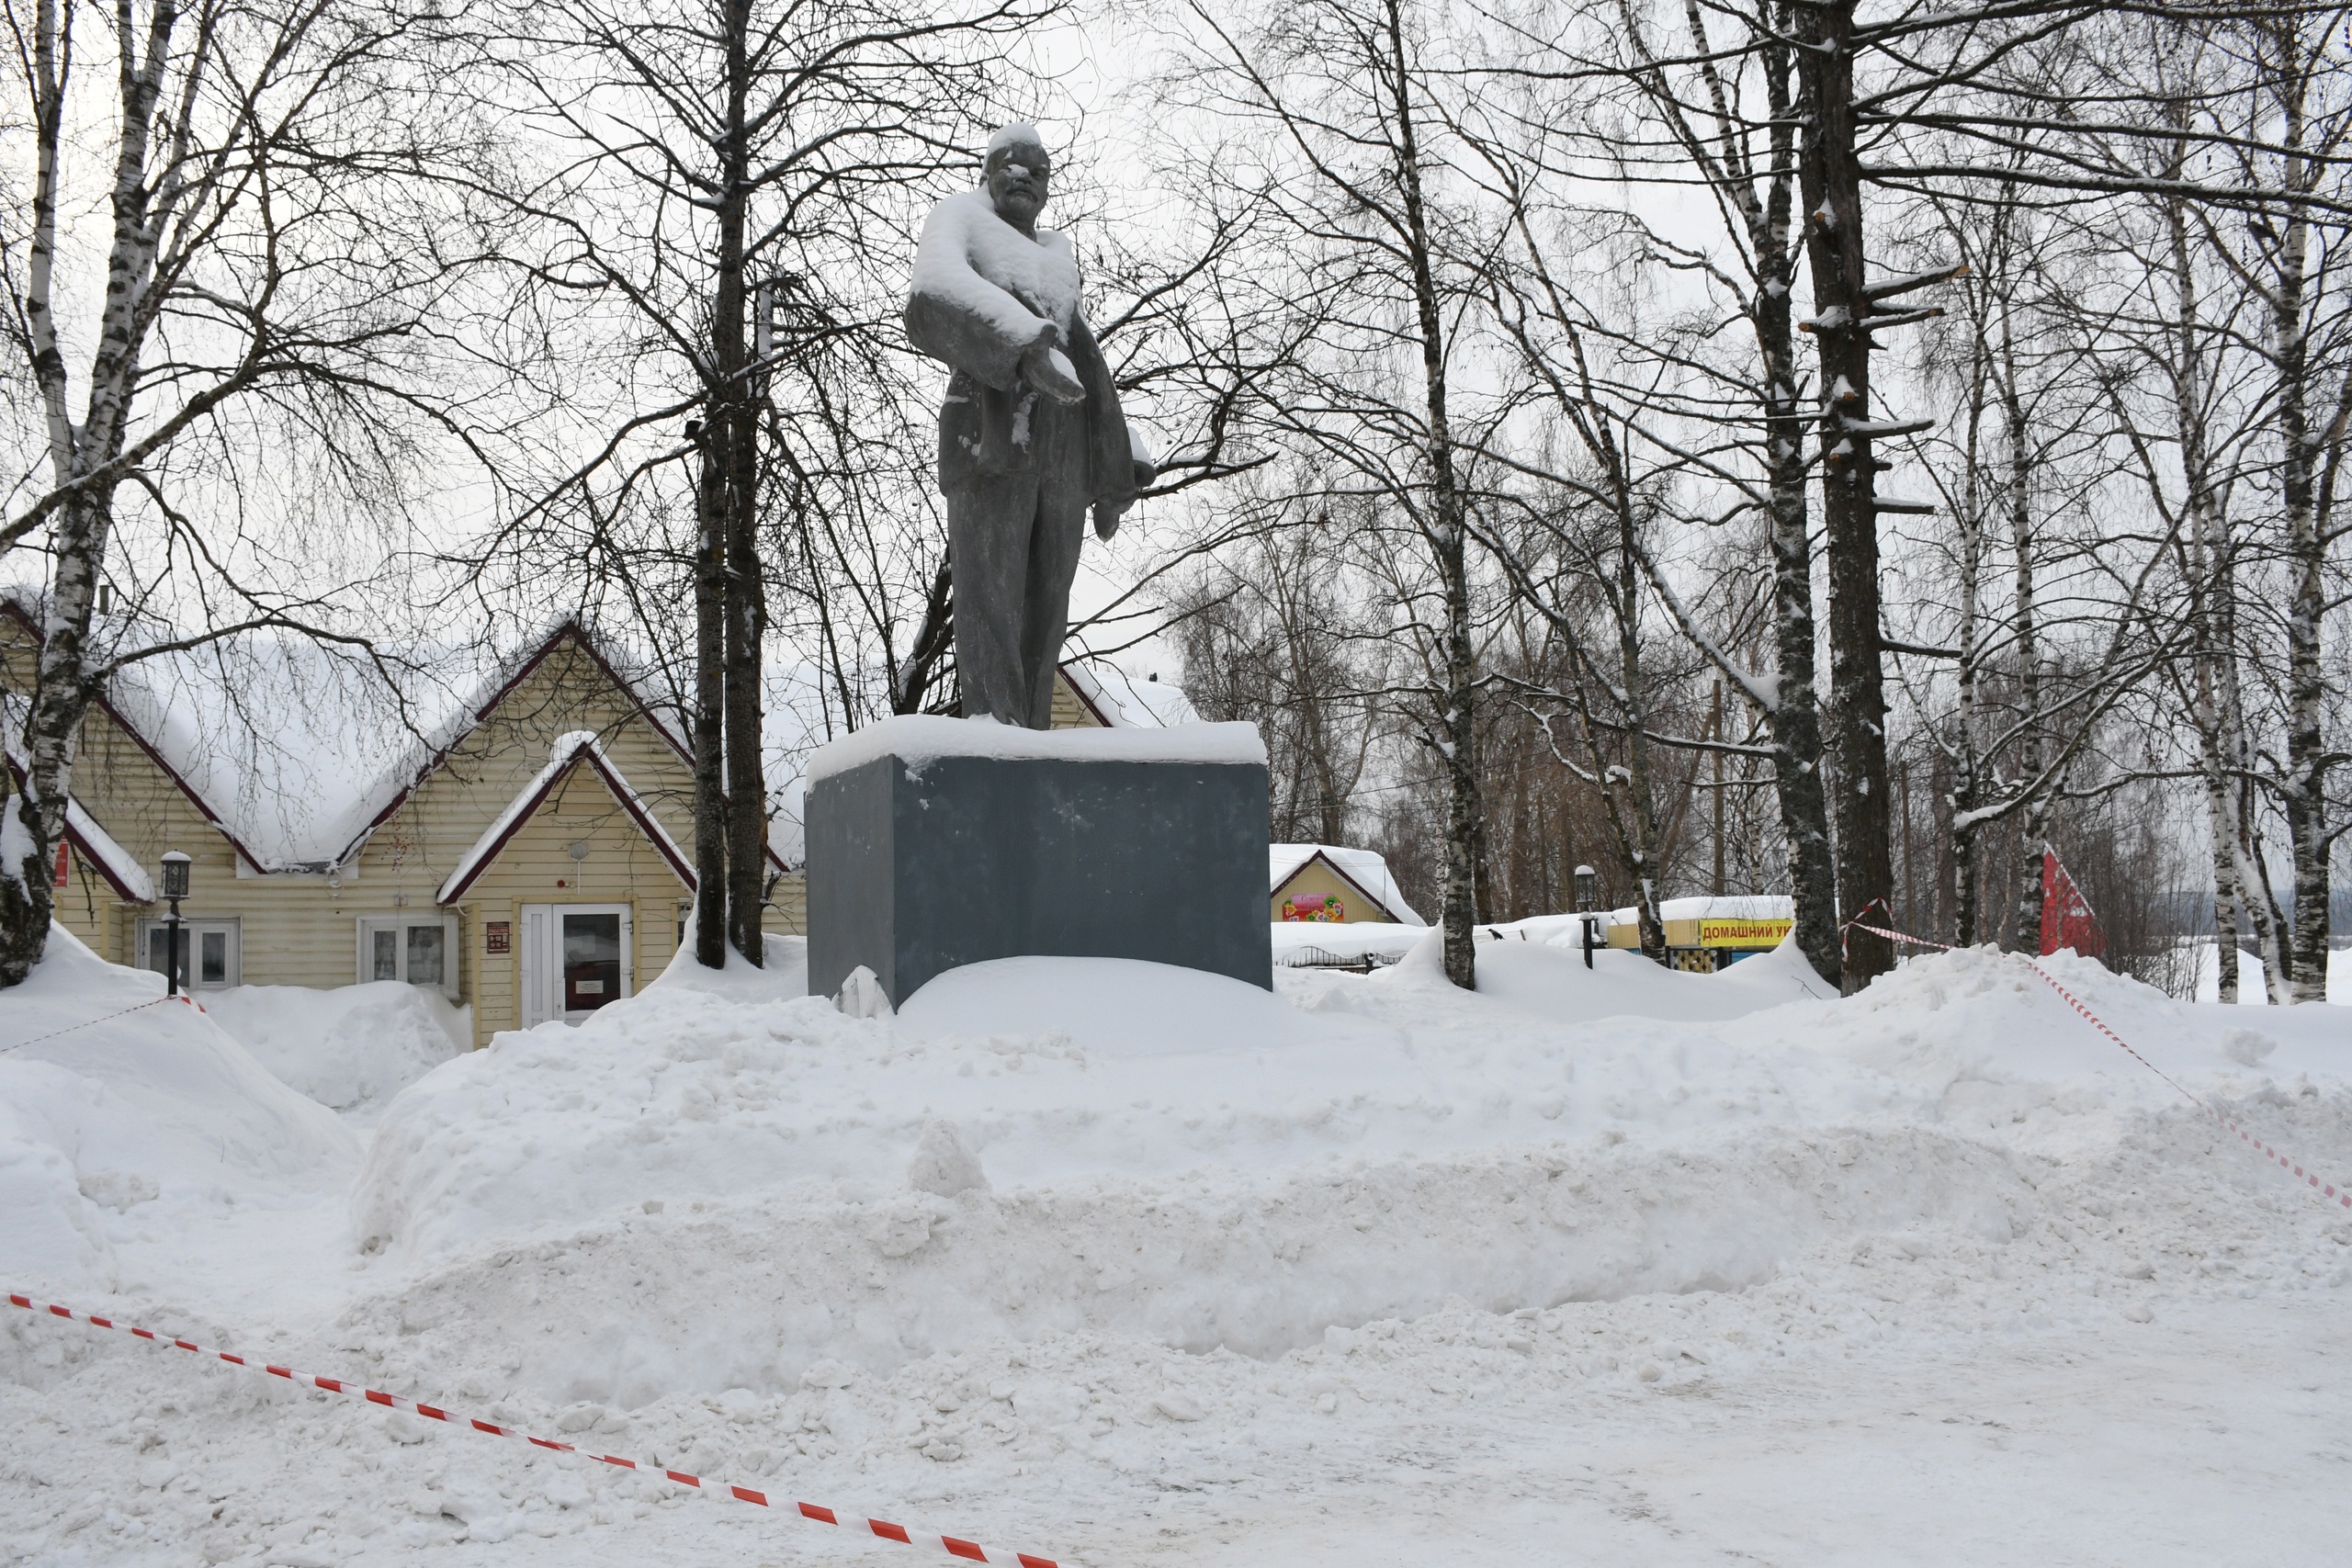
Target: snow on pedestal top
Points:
(916, 738)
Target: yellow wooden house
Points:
(531, 862)
(1329, 884)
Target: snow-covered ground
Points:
(1118, 1264)
(2252, 985)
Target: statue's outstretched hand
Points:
(1049, 370)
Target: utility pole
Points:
(1717, 725)
(1847, 310)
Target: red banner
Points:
(2066, 918)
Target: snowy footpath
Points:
(1116, 1264)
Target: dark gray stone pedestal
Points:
(916, 869)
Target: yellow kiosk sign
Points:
(1743, 933)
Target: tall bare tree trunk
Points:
(2025, 928)
(1830, 174)
(736, 407)
(1968, 766)
(1458, 721)
(2303, 787)
(1793, 710)
(710, 698)
(2208, 579)
(33, 821)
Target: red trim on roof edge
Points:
(1079, 691)
(82, 846)
(92, 858)
(106, 705)
(614, 785)
(1333, 867)
(571, 629)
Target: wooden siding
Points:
(1070, 711)
(301, 928)
(535, 867)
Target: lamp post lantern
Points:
(1588, 906)
(176, 865)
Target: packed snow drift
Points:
(155, 1110)
(1112, 1261)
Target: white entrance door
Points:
(576, 958)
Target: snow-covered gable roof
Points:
(296, 754)
(286, 747)
(491, 690)
(94, 844)
(1364, 868)
(1124, 702)
(581, 745)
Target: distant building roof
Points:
(579, 746)
(1365, 868)
(1730, 906)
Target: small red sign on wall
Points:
(498, 936)
(64, 861)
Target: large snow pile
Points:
(352, 1048)
(1129, 1264)
(1036, 1146)
(157, 1111)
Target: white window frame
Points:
(370, 924)
(189, 950)
(541, 937)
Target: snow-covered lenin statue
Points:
(1031, 433)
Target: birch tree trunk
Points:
(1761, 201)
(1967, 763)
(2303, 786)
(2207, 585)
(1458, 741)
(248, 154)
(2025, 930)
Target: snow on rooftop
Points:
(292, 745)
(1124, 700)
(1726, 907)
(1365, 868)
(117, 861)
(922, 737)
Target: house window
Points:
(212, 956)
(419, 949)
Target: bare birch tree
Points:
(278, 257)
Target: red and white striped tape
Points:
(88, 1023)
(2286, 1162)
(954, 1546)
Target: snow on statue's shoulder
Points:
(971, 258)
(916, 738)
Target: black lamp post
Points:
(1588, 906)
(175, 866)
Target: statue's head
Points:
(1017, 173)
